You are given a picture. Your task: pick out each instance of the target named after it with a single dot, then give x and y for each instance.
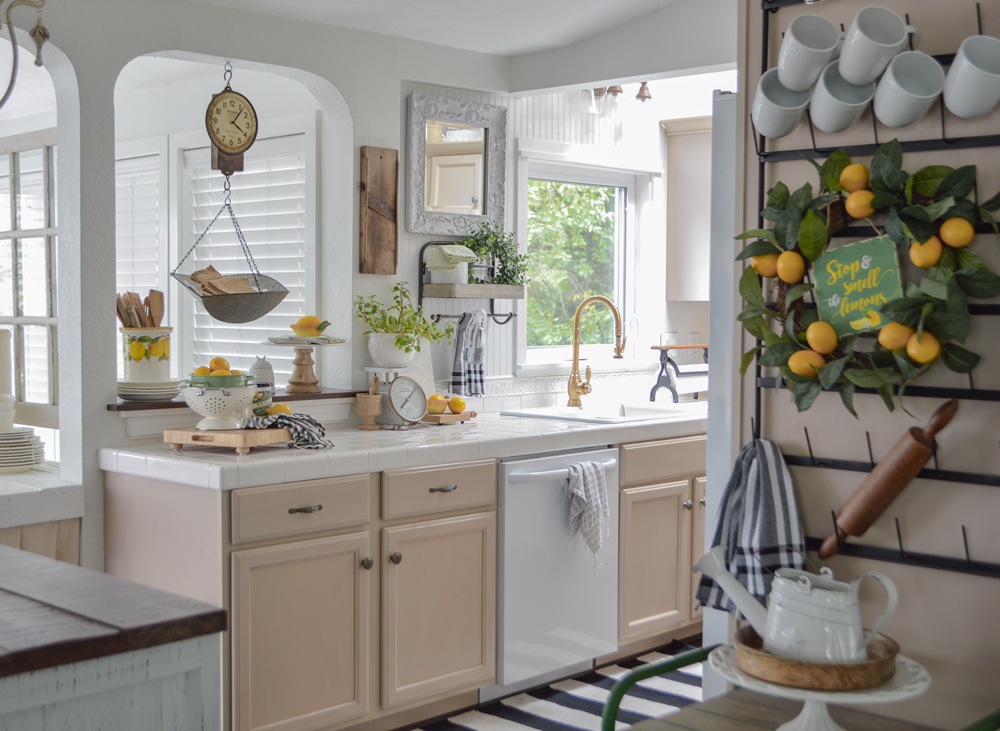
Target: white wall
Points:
(356, 78)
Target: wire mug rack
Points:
(243, 306)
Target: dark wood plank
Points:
(53, 613)
(379, 203)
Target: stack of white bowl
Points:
(152, 391)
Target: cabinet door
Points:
(300, 634)
(654, 559)
(455, 183)
(438, 607)
(698, 515)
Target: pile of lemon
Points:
(437, 404)
(216, 367)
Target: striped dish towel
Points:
(307, 431)
(759, 525)
(588, 506)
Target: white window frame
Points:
(181, 310)
(579, 165)
(34, 414)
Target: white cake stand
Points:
(909, 681)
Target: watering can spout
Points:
(713, 565)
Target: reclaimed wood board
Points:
(448, 418)
(379, 202)
(475, 291)
(243, 440)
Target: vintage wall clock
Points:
(231, 122)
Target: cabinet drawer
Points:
(651, 462)
(276, 511)
(425, 490)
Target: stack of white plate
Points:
(155, 391)
(20, 450)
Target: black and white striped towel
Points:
(307, 432)
(467, 377)
(758, 526)
(588, 505)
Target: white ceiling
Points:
(503, 27)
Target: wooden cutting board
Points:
(379, 232)
(242, 439)
(448, 418)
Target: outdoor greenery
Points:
(571, 240)
(401, 317)
(912, 209)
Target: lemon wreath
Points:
(926, 216)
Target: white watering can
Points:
(809, 616)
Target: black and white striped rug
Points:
(576, 704)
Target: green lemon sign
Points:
(853, 281)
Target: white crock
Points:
(382, 348)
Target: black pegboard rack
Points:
(944, 142)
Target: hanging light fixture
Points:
(643, 94)
(611, 102)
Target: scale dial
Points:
(231, 122)
(407, 400)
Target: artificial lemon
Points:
(309, 326)
(158, 348)
(202, 371)
(279, 408)
(136, 351)
(790, 266)
(956, 232)
(436, 404)
(893, 335)
(859, 204)
(766, 265)
(236, 373)
(220, 372)
(806, 363)
(923, 348)
(218, 364)
(822, 337)
(927, 254)
(456, 404)
(854, 177)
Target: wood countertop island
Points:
(95, 651)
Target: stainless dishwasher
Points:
(555, 613)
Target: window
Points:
(274, 201)
(579, 229)
(28, 236)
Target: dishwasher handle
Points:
(518, 478)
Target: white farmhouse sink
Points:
(597, 413)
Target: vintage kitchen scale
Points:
(404, 402)
(232, 128)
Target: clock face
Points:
(407, 399)
(231, 122)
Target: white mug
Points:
(972, 87)
(909, 87)
(777, 110)
(876, 35)
(837, 104)
(810, 43)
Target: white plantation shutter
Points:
(270, 201)
(140, 251)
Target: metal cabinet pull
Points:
(368, 563)
(310, 509)
(688, 505)
(396, 558)
(446, 488)
(702, 502)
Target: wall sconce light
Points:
(643, 94)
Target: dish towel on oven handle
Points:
(759, 525)
(588, 506)
(307, 431)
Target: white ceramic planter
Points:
(382, 348)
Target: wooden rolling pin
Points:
(888, 479)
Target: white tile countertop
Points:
(485, 437)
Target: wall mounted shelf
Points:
(475, 291)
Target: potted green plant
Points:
(497, 249)
(396, 331)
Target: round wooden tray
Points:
(752, 660)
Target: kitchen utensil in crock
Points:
(888, 479)
(219, 406)
(809, 616)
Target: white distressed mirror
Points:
(457, 161)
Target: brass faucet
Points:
(576, 387)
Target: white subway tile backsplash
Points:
(511, 403)
(492, 404)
